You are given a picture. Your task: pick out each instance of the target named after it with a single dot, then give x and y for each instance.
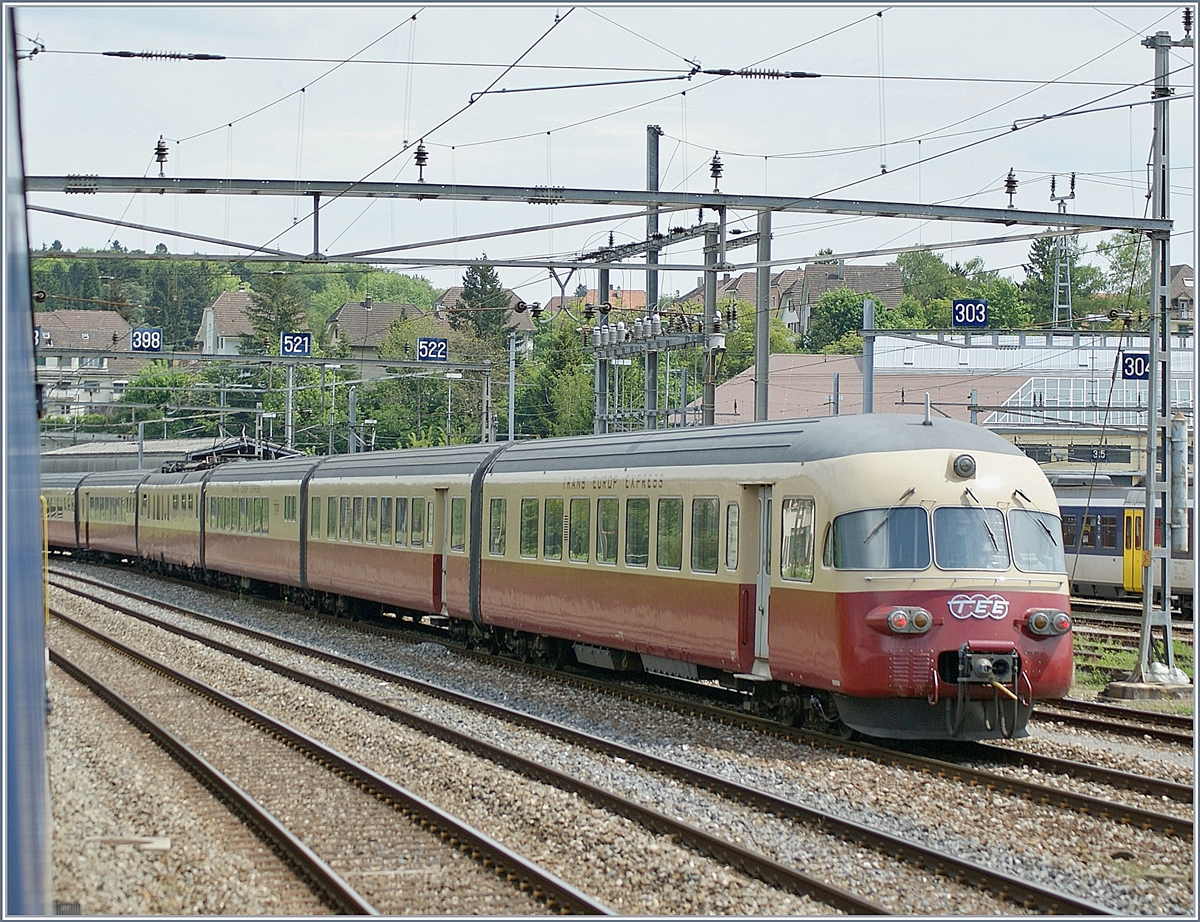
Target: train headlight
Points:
(964, 466)
(901, 619)
(1048, 622)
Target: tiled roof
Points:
(72, 329)
(75, 329)
(361, 327)
(229, 314)
(453, 297)
(882, 281)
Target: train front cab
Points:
(944, 617)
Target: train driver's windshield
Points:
(879, 539)
(1037, 541)
(970, 538)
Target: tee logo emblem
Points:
(978, 606)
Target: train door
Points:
(755, 577)
(1134, 545)
(439, 524)
(763, 594)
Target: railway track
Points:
(384, 833)
(949, 767)
(1121, 721)
(921, 857)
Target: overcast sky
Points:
(953, 74)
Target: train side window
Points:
(497, 526)
(706, 518)
(243, 514)
(343, 518)
(580, 529)
(418, 521)
(314, 519)
(529, 526)
(608, 511)
(429, 523)
(356, 523)
(385, 520)
(670, 533)
(458, 523)
(401, 521)
(291, 505)
(255, 513)
(796, 546)
(1070, 530)
(266, 514)
(372, 519)
(637, 531)
(732, 535)
(145, 504)
(552, 539)
(331, 518)
(1108, 531)
(1088, 536)
(174, 502)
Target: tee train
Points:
(876, 573)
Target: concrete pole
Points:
(653, 132)
(762, 320)
(868, 370)
(141, 443)
(289, 421)
(708, 400)
(1158, 467)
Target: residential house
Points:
(224, 323)
(363, 325)
(794, 292)
(1183, 298)
(84, 360)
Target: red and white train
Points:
(877, 573)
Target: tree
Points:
(837, 313)
(1127, 275)
(926, 276)
(484, 305)
(276, 306)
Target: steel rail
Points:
(1128, 781)
(1046, 713)
(321, 878)
(527, 875)
(1120, 712)
(1024, 893)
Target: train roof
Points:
(432, 462)
(126, 478)
(60, 480)
(781, 442)
(250, 471)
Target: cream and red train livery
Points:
(897, 577)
